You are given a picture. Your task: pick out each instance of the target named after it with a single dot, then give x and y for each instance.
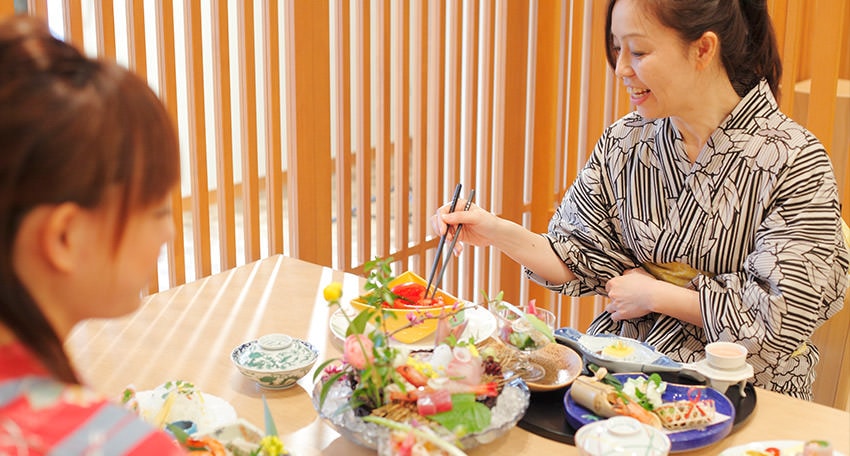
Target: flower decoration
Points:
(433, 398)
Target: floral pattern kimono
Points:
(41, 416)
(756, 216)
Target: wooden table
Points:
(189, 331)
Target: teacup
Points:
(726, 355)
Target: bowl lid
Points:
(621, 435)
(274, 352)
(274, 341)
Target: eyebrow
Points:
(628, 35)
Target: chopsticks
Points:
(442, 242)
(451, 247)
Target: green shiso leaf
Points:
(466, 416)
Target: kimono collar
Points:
(756, 103)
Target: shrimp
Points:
(634, 410)
(205, 446)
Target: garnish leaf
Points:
(466, 416)
(358, 324)
(327, 386)
(271, 429)
(321, 368)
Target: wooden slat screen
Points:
(332, 130)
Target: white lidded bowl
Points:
(621, 435)
(275, 361)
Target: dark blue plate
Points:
(578, 416)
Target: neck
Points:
(698, 123)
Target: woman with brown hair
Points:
(88, 158)
(704, 215)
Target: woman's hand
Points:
(630, 295)
(478, 225)
(637, 293)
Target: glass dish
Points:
(510, 408)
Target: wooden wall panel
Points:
(309, 163)
(225, 185)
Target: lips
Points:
(637, 96)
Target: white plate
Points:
(786, 448)
(215, 411)
(481, 325)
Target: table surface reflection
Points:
(188, 333)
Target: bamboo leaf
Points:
(271, 429)
(322, 367)
(326, 387)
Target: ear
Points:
(60, 237)
(704, 49)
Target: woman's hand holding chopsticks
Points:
(483, 228)
(478, 224)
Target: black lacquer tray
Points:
(546, 417)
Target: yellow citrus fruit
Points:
(333, 291)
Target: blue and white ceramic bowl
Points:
(275, 361)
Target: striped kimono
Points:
(757, 215)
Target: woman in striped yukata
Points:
(88, 158)
(704, 215)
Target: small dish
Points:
(205, 411)
(722, 379)
(398, 318)
(481, 325)
(240, 437)
(635, 356)
(789, 447)
(561, 364)
(275, 361)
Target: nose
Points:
(624, 67)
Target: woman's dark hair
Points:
(71, 128)
(748, 46)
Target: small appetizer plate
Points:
(206, 411)
(561, 363)
(789, 447)
(617, 354)
(481, 325)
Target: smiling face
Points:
(654, 64)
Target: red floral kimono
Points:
(41, 416)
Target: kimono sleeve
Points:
(584, 231)
(795, 276)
